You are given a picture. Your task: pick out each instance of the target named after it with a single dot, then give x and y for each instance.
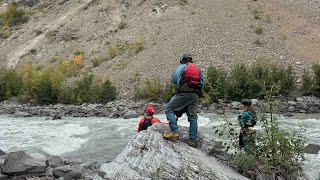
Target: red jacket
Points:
(154, 120)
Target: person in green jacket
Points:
(247, 120)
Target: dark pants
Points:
(247, 139)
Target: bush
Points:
(107, 92)
(276, 152)
(283, 149)
(259, 28)
(88, 89)
(316, 71)
(216, 84)
(249, 81)
(308, 84)
(44, 86)
(153, 90)
(242, 85)
(10, 83)
(13, 15)
(51, 86)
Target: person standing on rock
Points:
(189, 81)
(148, 120)
(246, 120)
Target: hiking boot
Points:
(171, 136)
(192, 143)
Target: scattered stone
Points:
(288, 114)
(56, 116)
(291, 109)
(130, 114)
(54, 161)
(19, 163)
(312, 149)
(68, 172)
(71, 161)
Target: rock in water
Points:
(312, 149)
(149, 156)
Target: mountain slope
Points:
(220, 32)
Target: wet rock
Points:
(68, 172)
(235, 104)
(54, 161)
(48, 172)
(149, 156)
(19, 163)
(22, 114)
(56, 116)
(288, 114)
(312, 149)
(291, 109)
(3, 177)
(2, 153)
(68, 161)
(130, 114)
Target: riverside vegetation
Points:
(277, 152)
(70, 82)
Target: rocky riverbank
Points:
(19, 165)
(129, 109)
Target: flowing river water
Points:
(101, 139)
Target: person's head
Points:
(185, 58)
(150, 110)
(246, 103)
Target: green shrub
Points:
(13, 15)
(282, 148)
(10, 83)
(257, 14)
(153, 90)
(308, 84)
(107, 91)
(244, 161)
(277, 151)
(96, 62)
(216, 84)
(259, 29)
(316, 71)
(43, 86)
(88, 89)
(113, 51)
(242, 85)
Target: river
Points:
(101, 139)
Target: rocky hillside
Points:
(220, 32)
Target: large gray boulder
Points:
(54, 161)
(20, 163)
(68, 172)
(130, 114)
(149, 156)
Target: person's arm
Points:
(155, 120)
(140, 123)
(175, 78)
(244, 118)
(201, 78)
